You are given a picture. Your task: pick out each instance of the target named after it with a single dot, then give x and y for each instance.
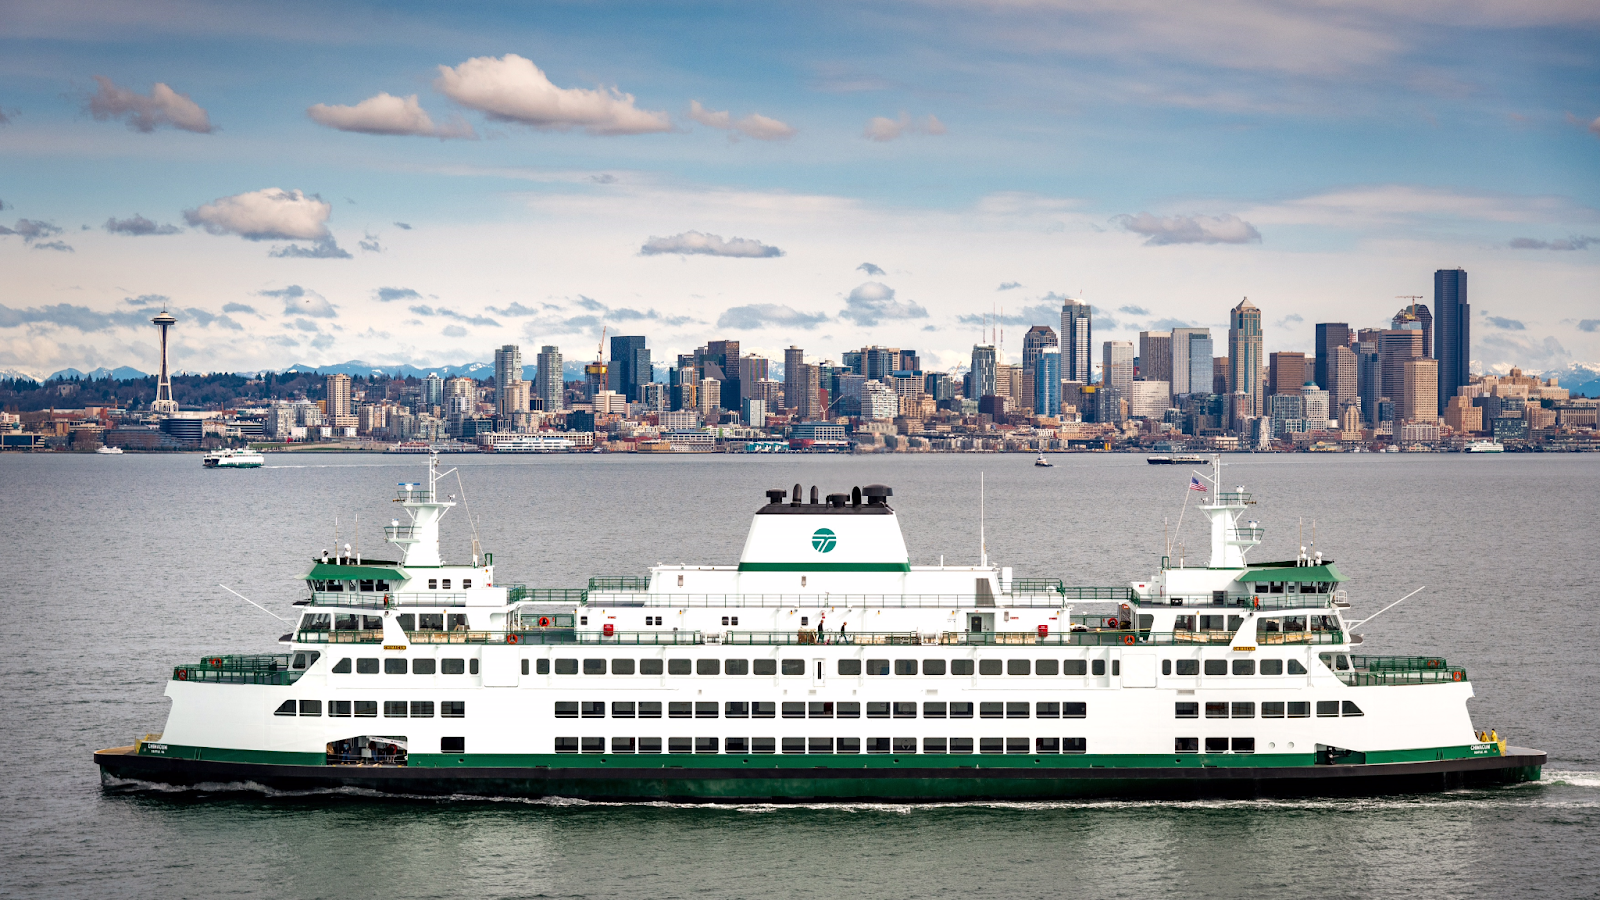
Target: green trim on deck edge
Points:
(823, 567)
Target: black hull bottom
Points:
(871, 785)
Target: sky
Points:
(312, 183)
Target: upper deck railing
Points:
(1241, 601)
(265, 669)
(386, 600)
(1093, 637)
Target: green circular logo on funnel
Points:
(823, 540)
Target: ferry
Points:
(821, 666)
(1484, 447)
(233, 459)
(1178, 460)
(109, 451)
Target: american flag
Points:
(1195, 485)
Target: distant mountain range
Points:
(120, 373)
(1578, 378)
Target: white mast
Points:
(1229, 541)
(420, 540)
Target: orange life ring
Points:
(183, 674)
(1456, 676)
(215, 662)
(1433, 664)
(544, 621)
(1128, 639)
(512, 639)
(1111, 622)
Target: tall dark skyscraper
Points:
(630, 366)
(725, 354)
(1329, 336)
(1452, 343)
(1076, 361)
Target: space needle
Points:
(164, 405)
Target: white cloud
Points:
(755, 125)
(387, 114)
(693, 243)
(1161, 230)
(163, 106)
(882, 129)
(299, 301)
(267, 214)
(513, 89)
(768, 315)
(873, 301)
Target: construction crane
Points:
(595, 372)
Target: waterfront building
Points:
(817, 431)
(1076, 346)
(812, 405)
(1462, 416)
(1419, 395)
(1329, 336)
(1245, 360)
(548, 384)
(630, 367)
(1047, 382)
(1286, 373)
(879, 401)
(981, 378)
(1452, 331)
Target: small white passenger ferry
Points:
(233, 459)
(822, 665)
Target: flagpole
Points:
(1178, 532)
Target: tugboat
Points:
(822, 665)
(233, 459)
(1043, 463)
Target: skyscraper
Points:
(1047, 382)
(1287, 372)
(1184, 366)
(1416, 317)
(982, 382)
(794, 360)
(1419, 395)
(1155, 360)
(630, 366)
(510, 391)
(1329, 336)
(1035, 342)
(1116, 373)
(1076, 347)
(1244, 355)
(338, 401)
(1452, 332)
(1395, 347)
(726, 356)
(1343, 378)
(432, 392)
(1369, 377)
(164, 405)
(549, 384)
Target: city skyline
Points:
(315, 186)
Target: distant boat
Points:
(1043, 463)
(233, 459)
(1485, 447)
(1180, 459)
(110, 451)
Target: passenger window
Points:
(566, 745)
(394, 709)
(406, 621)
(1244, 709)
(1295, 668)
(339, 709)
(366, 709)
(877, 709)
(422, 709)
(366, 665)
(649, 745)
(764, 666)
(763, 709)
(566, 667)
(680, 709)
(990, 666)
(1074, 667)
(566, 709)
(286, 708)
(1216, 710)
(649, 709)
(1186, 710)
(933, 710)
(1018, 667)
(1244, 745)
(991, 710)
(1244, 667)
(466, 584)
(1272, 667)
(678, 666)
(433, 584)
(393, 666)
(708, 667)
(1188, 666)
(1350, 709)
(1216, 667)
(763, 745)
(934, 745)
(732, 666)
(445, 584)
(1046, 666)
(1097, 666)
(540, 667)
(705, 709)
(1299, 709)
(1074, 745)
(594, 667)
(960, 667)
(960, 711)
(737, 745)
(1216, 745)
(848, 745)
(1272, 709)
(594, 745)
(453, 709)
(1074, 710)
(423, 666)
(621, 667)
(430, 621)
(877, 667)
(905, 710)
(794, 667)
(1166, 667)
(961, 745)
(1047, 710)
(1326, 708)
(342, 667)
(849, 667)
(933, 667)
(650, 667)
(794, 745)
(991, 745)
(592, 709)
(849, 709)
(821, 709)
(1017, 709)
(905, 745)
(733, 709)
(905, 667)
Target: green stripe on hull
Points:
(823, 567)
(224, 754)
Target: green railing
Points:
(596, 637)
(269, 669)
(1035, 585)
(1234, 497)
(1422, 676)
(1242, 601)
(1399, 663)
(575, 596)
(532, 622)
(1098, 594)
(386, 599)
(814, 601)
(619, 583)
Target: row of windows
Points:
(816, 709)
(1275, 709)
(398, 665)
(1239, 666)
(845, 667)
(368, 709)
(1215, 745)
(1014, 745)
(435, 585)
